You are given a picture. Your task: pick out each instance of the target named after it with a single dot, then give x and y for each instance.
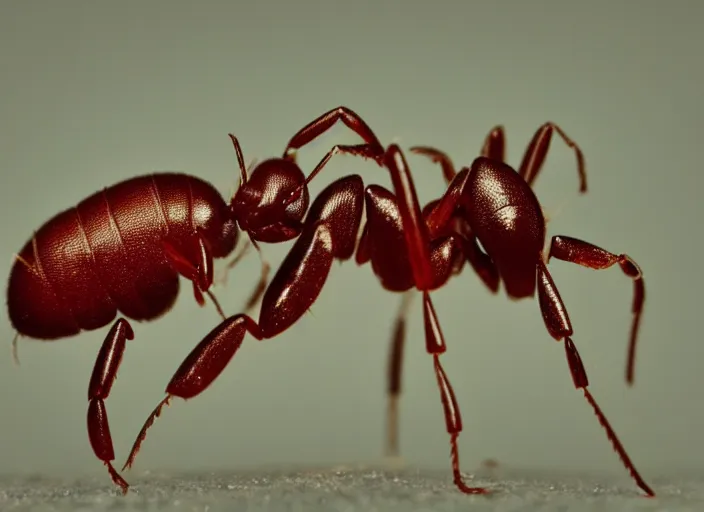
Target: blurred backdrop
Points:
(93, 93)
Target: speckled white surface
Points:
(348, 490)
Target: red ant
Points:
(491, 204)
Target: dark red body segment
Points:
(257, 204)
(508, 220)
(105, 255)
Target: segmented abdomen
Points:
(101, 256)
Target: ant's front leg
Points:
(330, 232)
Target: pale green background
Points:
(94, 92)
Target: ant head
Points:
(271, 203)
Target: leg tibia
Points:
(434, 339)
(555, 316)
(453, 417)
(99, 431)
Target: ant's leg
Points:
(536, 151)
(439, 157)
(435, 345)
(312, 257)
(239, 256)
(495, 144)
(394, 373)
(15, 354)
(363, 150)
(200, 368)
(493, 147)
(481, 263)
(414, 227)
(193, 261)
(326, 121)
(260, 287)
(419, 251)
(291, 292)
(101, 381)
(371, 148)
(588, 255)
(559, 326)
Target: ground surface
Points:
(348, 490)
